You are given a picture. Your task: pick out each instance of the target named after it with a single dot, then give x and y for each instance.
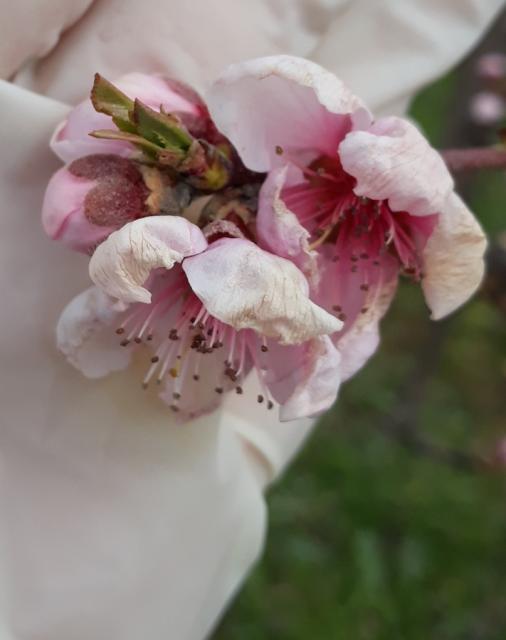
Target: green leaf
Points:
(162, 129)
(110, 134)
(108, 99)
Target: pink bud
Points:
(71, 139)
(492, 66)
(487, 108)
(91, 197)
(500, 452)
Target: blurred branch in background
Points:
(467, 147)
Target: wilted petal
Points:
(85, 334)
(279, 228)
(393, 161)
(248, 288)
(453, 259)
(318, 380)
(280, 104)
(122, 264)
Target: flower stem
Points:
(474, 159)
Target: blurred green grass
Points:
(372, 537)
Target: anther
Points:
(173, 372)
(137, 340)
(336, 307)
(176, 395)
(174, 408)
(219, 389)
(279, 150)
(264, 348)
(270, 404)
(231, 374)
(342, 317)
(155, 359)
(120, 330)
(238, 390)
(260, 399)
(124, 343)
(364, 287)
(196, 377)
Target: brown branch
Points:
(474, 159)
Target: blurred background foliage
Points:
(391, 524)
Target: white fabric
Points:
(116, 524)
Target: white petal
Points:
(122, 264)
(453, 259)
(280, 101)
(393, 161)
(85, 334)
(248, 288)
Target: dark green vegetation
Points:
(391, 525)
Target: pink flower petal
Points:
(279, 105)
(64, 214)
(393, 161)
(246, 287)
(155, 90)
(64, 196)
(361, 340)
(318, 382)
(85, 334)
(279, 229)
(453, 259)
(71, 139)
(123, 262)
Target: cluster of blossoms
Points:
(488, 106)
(264, 229)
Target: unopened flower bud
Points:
(492, 66)
(91, 197)
(487, 108)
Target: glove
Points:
(116, 523)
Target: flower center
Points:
(358, 227)
(364, 240)
(182, 334)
